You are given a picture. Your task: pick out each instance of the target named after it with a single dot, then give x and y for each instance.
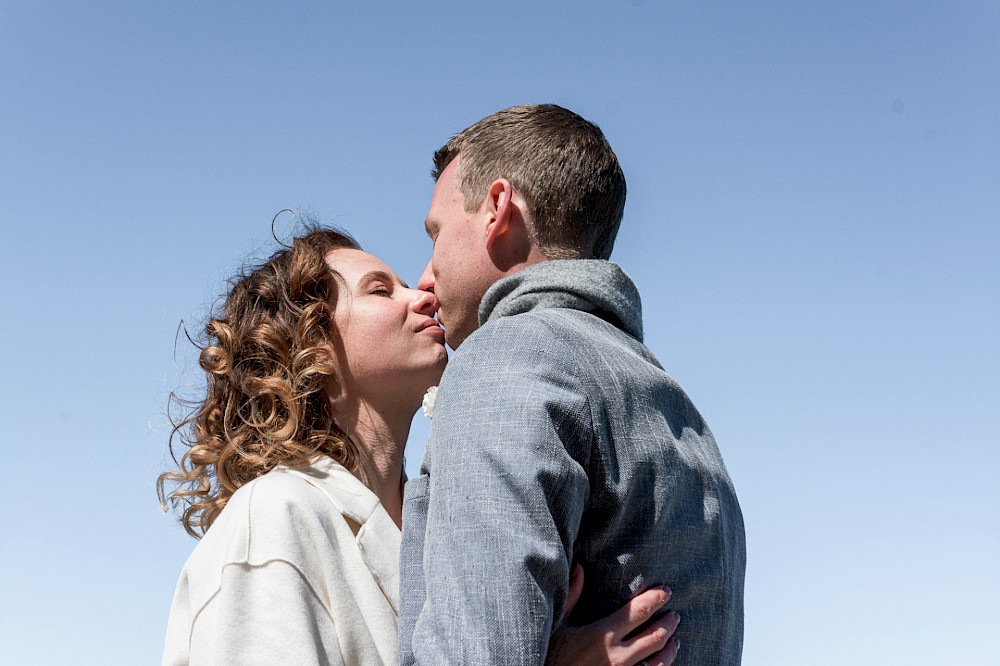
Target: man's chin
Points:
(455, 333)
(453, 339)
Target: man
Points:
(557, 437)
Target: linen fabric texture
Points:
(301, 567)
(558, 437)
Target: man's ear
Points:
(500, 209)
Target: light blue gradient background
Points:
(813, 220)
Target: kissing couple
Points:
(572, 504)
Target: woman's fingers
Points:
(638, 609)
(666, 656)
(656, 644)
(603, 642)
(575, 590)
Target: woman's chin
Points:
(434, 376)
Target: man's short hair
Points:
(560, 163)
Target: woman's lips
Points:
(432, 327)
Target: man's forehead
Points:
(449, 181)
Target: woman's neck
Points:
(380, 433)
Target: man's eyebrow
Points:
(427, 227)
(383, 276)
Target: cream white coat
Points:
(301, 567)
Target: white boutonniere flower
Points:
(428, 404)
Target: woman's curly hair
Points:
(267, 360)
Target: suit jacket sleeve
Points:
(505, 497)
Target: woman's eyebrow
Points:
(383, 276)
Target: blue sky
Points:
(813, 220)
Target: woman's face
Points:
(388, 337)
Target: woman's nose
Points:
(424, 302)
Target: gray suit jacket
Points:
(558, 437)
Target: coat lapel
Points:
(378, 537)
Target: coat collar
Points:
(591, 285)
(377, 536)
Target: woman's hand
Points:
(603, 643)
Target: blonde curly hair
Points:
(267, 364)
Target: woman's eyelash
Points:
(381, 290)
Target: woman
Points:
(315, 365)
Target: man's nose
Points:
(426, 281)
